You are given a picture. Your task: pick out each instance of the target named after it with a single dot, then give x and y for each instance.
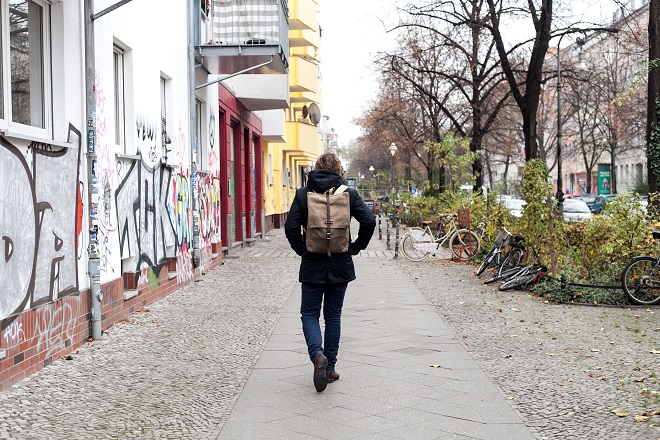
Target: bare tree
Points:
(397, 115)
(526, 85)
(459, 30)
(411, 103)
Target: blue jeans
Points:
(332, 297)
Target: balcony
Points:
(246, 34)
(260, 92)
(304, 97)
(303, 15)
(304, 76)
(305, 38)
(305, 136)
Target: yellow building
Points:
(291, 137)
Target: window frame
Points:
(119, 97)
(7, 124)
(201, 130)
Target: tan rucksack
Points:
(328, 221)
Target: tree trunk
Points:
(653, 89)
(529, 102)
(588, 171)
(613, 168)
(475, 143)
(506, 174)
(489, 169)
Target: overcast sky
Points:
(353, 32)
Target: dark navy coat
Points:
(320, 268)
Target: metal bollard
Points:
(396, 242)
(380, 227)
(387, 225)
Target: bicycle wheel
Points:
(641, 281)
(464, 245)
(511, 261)
(520, 280)
(489, 259)
(416, 244)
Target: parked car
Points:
(644, 201)
(515, 206)
(589, 199)
(600, 202)
(576, 209)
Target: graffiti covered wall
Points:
(41, 221)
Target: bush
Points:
(586, 252)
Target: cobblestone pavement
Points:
(565, 367)
(172, 371)
(175, 369)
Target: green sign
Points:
(604, 179)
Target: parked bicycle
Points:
(523, 277)
(419, 243)
(510, 264)
(505, 254)
(641, 279)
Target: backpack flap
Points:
(328, 221)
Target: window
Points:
(199, 117)
(163, 117)
(26, 101)
(119, 102)
(270, 170)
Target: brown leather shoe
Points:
(320, 377)
(332, 376)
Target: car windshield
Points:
(588, 198)
(576, 206)
(515, 203)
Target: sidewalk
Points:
(225, 358)
(404, 374)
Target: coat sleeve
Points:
(293, 225)
(361, 212)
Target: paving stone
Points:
(229, 348)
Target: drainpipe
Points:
(194, 13)
(94, 259)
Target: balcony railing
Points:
(250, 22)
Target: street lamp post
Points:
(393, 149)
(581, 67)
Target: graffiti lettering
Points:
(145, 229)
(184, 268)
(147, 134)
(13, 334)
(54, 327)
(143, 280)
(39, 212)
(180, 207)
(209, 207)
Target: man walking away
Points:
(324, 275)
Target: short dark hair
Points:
(329, 161)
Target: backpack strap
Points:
(328, 221)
